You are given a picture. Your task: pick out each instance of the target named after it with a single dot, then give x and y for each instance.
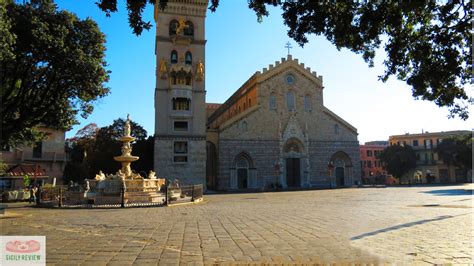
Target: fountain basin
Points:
(123, 158)
(126, 139)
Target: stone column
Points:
(283, 173)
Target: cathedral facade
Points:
(273, 132)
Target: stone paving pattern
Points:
(403, 225)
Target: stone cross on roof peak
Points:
(288, 45)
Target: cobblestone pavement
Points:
(403, 225)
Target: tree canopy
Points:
(456, 151)
(427, 43)
(52, 67)
(92, 150)
(398, 160)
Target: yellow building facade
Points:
(429, 167)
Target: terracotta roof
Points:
(212, 105)
(26, 169)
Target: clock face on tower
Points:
(290, 79)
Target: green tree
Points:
(26, 181)
(7, 38)
(78, 148)
(398, 160)
(92, 150)
(456, 151)
(145, 150)
(52, 70)
(427, 43)
(107, 145)
(3, 168)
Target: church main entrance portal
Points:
(293, 172)
(340, 176)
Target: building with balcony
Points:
(430, 168)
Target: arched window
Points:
(188, 58)
(181, 77)
(307, 103)
(189, 29)
(173, 27)
(173, 78)
(250, 102)
(272, 102)
(189, 78)
(174, 57)
(244, 126)
(336, 129)
(290, 101)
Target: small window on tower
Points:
(173, 27)
(189, 29)
(188, 58)
(181, 104)
(174, 57)
(180, 152)
(181, 126)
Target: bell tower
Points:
(180, 108)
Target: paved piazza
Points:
(403, 225)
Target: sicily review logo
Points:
(23, 250)
(18, 246)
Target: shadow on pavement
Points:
(449, 192)
(397, 227)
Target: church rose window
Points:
(188, 58)
(290, 101)
(290, 79)
(174, 57)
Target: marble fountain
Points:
(137, 189)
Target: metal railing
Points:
(63, 196)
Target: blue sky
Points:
(237, 46)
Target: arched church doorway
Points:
(340, 176)
(293, 151)
(242, 165)
(342, 168)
